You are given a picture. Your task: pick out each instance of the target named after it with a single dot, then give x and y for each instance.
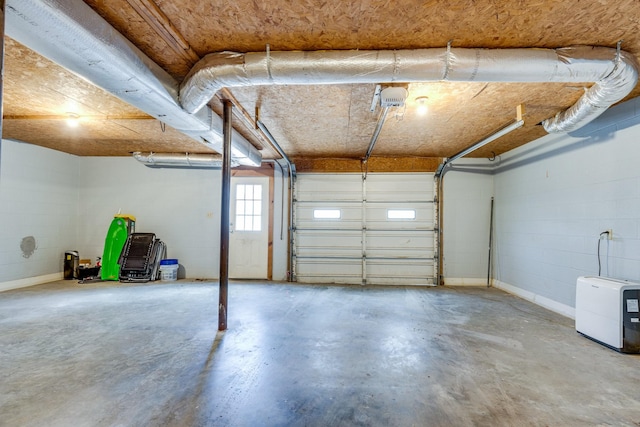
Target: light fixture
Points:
(393, 96)
(73, 120)
(421, 101)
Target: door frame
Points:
(265, 170)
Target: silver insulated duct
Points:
(613, 72)
(190, 160)
(72, 35)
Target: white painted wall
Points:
(468, 188)
(67, 203)
(280, 224)
(553, 198)
(38, 198)
(181, 206)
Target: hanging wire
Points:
(599, 263)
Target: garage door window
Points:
(248, 207)
(326, 214)
(401, 214)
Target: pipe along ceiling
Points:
(71, 34)
(194, 160)
(614, 72)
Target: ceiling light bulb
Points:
(73, 120)
(422, 105)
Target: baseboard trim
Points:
(30, 281)
(545, 302)
(463, 281)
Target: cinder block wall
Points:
(181, 206)
(38, 211)
(468, 188)
(64, 202)
(553, 198)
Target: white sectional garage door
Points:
(378, 230)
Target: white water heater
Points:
(608, 311)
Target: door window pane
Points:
(240, 207)
(248, 207)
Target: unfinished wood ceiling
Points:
(324, 126)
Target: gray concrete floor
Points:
(150, 355)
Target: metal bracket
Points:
(376, 98)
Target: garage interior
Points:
(427, 181)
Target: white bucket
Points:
(169, 273)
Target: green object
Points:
(121, 227)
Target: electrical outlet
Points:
(610, 234)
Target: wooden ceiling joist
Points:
(155, 17)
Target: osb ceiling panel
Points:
(335, 120)
(319, 122)
(96, 137)
(39, 95)
(248, 25)
(35, 85)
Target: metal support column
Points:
(224, 216)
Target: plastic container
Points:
(71, 263)
(169, 270)
(121, 227)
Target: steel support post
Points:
(224, 216)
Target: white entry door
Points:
(249, 228)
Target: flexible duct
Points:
(193, 160)
(614, 73)
(71, 34)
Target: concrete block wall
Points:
(65, 202)
(181, 206)
(468, 188)
(555, 196)
(38, 213)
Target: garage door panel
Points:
(398, 188)
(328, 187)
(400, 245)
(329, 243)
(350, 216)
(405, 272)
(342, 271)
(377, 216)
(364, 245)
